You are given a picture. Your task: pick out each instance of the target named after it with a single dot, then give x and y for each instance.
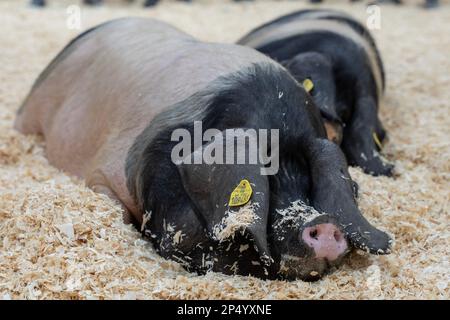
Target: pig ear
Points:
(365, 236)
(229, 197)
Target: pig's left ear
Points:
(229, 198)
(332, 193)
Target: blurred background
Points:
(414, 43)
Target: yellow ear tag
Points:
(241, 194)
(308, 85)
(377, 141)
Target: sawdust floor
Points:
(60, 240)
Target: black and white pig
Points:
(336, 59)
(109, 104)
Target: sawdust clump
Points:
(58, 239)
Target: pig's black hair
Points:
(263, 96)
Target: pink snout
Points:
(326, 240)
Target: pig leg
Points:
(363, 137)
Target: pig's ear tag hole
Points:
(377, 140)
(241, 194)
(308, 85)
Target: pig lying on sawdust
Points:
(336, 59)
(108, 106)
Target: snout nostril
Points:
(313, 234)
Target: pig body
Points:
(108, 104)
(340, 57)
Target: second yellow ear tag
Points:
(308, 85)
(377, 141)
(241, 194)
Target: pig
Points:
(147, 3)
(109, 105)
(338, 57)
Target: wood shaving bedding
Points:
(58, 239)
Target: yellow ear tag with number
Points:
(377, 141)
(241, 194)
(308, 85)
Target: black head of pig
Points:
(287, 238)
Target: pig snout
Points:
(326, 240)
